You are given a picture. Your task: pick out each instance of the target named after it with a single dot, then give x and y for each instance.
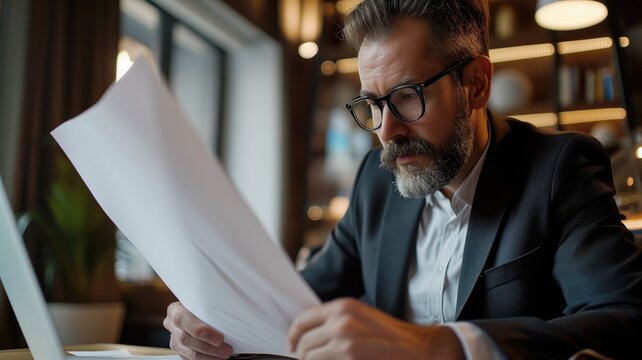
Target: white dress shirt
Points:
(433, 279)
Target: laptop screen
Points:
(21, 286)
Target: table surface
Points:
(24, 354)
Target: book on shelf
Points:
(586, 85)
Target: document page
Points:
(162, 187)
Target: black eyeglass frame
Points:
(419, 88)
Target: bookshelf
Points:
(573, 76)
(576, 80)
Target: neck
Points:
(480, 121)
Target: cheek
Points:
(435, 126)
(440, 118)
(381, 141)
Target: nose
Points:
(391, 126)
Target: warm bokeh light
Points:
(521, 52)
(630, 181)
(289, 19)
(345, 6)
(541, 50)
(638, 152)
(328, 67)
(311, 20)
(624, 41)
(315, 213)
(307, 50)
(123, 63)
(539, 120)
(569, 14)
(575, 117)
(568, 47)
(338, 207)
(584, 116)
(347, 66)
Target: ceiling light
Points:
(569, 14)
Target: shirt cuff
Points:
(476, 343)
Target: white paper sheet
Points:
(168, 194)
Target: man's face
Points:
(427, 154)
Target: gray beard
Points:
(421, 181)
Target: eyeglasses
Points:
(405, 101)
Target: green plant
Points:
(78, 239)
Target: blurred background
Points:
(264, 83)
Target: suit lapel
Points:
(494, 191)
(396, 243)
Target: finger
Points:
(224, 352)
(181, 342)
(312, 339)
(188, 332)
(178, 317)
(306, 320)
(334, 350)
(316, 316)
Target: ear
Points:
(476, 78)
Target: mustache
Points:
(406, 146)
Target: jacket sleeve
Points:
(595, 263)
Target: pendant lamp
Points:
(569, 14)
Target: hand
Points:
(349, 329)
(191, 338)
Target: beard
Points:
(417, 181)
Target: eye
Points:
(406, 95)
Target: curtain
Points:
(71, 60)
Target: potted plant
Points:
(79, 243)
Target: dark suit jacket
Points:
(548, 267)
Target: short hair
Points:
(458, 28)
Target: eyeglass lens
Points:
(404, 102)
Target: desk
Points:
(24, 354)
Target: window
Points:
(192, 66)
(189, 61)
(202, 46)
(195, 78)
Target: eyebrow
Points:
(363, 92)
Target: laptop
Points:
(21, 286)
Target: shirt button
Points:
(435, 318)
(440, 269)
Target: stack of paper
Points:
(168, 194)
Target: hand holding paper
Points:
(168, 194)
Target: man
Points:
(468, 235)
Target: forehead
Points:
(401, 55)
